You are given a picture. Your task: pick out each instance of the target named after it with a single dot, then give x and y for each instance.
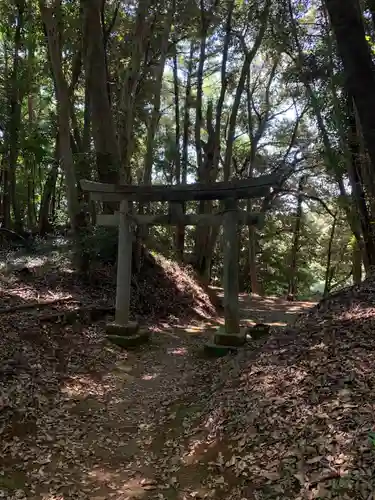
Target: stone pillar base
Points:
(217, 351)
(130, 328)
(126, 336)
(224, 343)
(230, 339)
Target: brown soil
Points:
(82, 419)
(289, 418)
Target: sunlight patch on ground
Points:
(294, 309)
(269, 383)
(113, 481)
(40, 263)
(150, 376)
(195, 330)
(179, 351)
(357, 313)
(29, 292)
(319, 347)
(101, 475)
(82, 386)
(199, 450)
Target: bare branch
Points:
(295, 192)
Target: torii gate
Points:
(126, 333)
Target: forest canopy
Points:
(171, 92)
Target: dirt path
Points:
(137, 428)
(272, 310)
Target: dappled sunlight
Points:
(270, 380)
(165, 414)
(150, 376)
(29, 292)
(195, 450)
(115, 484)
(294, 309)
(82, 386)
(195, 330)
(357, 313)
(200, 450)
(101, 475)
(15, 263)
(179, 351)
(53, 497)
(321, 346)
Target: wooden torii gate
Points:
(123, 331)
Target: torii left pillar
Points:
(124, 332)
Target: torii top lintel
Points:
(236, 189)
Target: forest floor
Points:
(291, 417)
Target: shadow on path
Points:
(122, 425)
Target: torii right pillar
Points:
(229, 340)
(230, 277)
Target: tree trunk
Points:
(128, 95)
(152, 126)
(256, 287)
(329, 274)
(365, 163)
(186, 127)
(293, 285)
(223, 89)
(357, 263)
(255, 136)
(355, 168)
(45, 210)
(5, 198)
(249, 57)
(156, 100)
(14, 125)
(180, 230)
(103, 126)
(359, 70)
(329, 151)
(199, 101)
(30, 165)
(185, 136)
(202, 234)
(206, 237)
(50, 16)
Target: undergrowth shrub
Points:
(100, 244)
